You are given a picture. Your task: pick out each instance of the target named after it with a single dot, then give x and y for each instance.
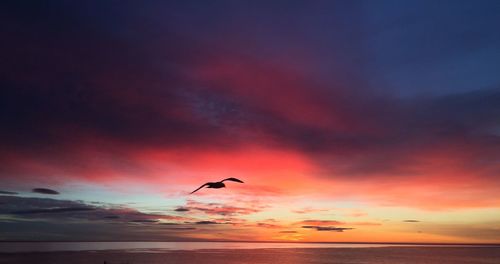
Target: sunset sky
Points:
(372, 121)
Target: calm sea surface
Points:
(158, 246)
(229, 252)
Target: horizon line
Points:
(246, 241)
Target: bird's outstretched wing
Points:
(232, 179)
(199, 188)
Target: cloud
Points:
(45, 191)
(320, 222)
(411, 221)
(28, 207)
(268, 225)
(74, 220)
(179, 228)
(144, 221)
(221, 209)
(232, 220)
(308, 210)
(206, 223)
(328, 228)
(288, 232)
(53, 210)
(181, 209)
(323, 225)
(111, 217)
(67, 210)
(8, 192)
(329, 225)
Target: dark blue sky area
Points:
(404, 47)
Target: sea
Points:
(241, 252)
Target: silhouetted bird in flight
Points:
(217, 185)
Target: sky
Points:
(348, 121)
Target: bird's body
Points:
(217, 185)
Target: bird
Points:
(217, 185)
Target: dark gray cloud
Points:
(206, 223)
(45, 191)
(328, 228)
(179, 228)
(54, 210)
(29, 207)
(90, 231)
(411, 221)
(30, 218)
(144, 221)
(320, 222)
(66, 210)
(8, 192)
(181, 209)
(111, 217)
